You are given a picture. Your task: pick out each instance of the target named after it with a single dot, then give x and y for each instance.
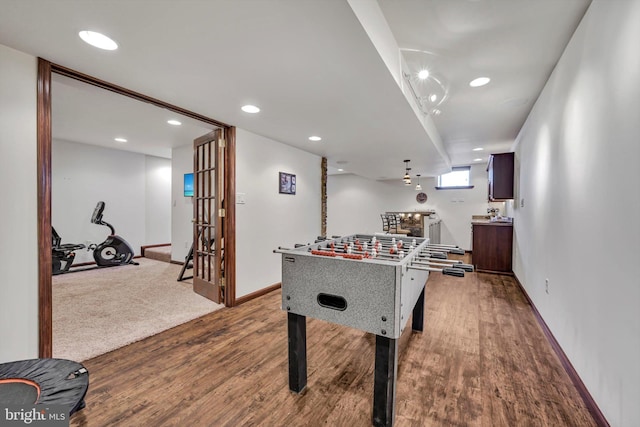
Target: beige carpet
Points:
(97, 311)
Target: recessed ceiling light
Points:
(250, 109)
(423, 74)
(478, 149)
(436, 112)
(120, 140)
(340, 170)
(477, 160)
(480, 81)
(174, 122)
(314, 138)
(433, 97)
(98, 40)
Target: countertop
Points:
(489, 222)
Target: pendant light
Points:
(418, 186)
(407, 177)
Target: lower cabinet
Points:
(492, 247)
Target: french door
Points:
(208, 211)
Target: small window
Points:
(458, 178)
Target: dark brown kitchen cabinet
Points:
(492, 247)
(500, 171)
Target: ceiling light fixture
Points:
(478, 149)
(120, 139)
(174, 122)
(340, 170)
(477, 160)
(418, 187)
(98, 40)
(480, 81)
(420, 71)
(315, 138)
(407, 177)
(250, 109)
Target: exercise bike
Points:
(112, 252)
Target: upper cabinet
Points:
(500, 172)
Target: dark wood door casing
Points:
(44, 136)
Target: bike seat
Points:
(71, 246)
(57, 245)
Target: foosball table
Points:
(373, 283)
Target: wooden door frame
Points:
(45, 71)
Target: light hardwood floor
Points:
(482, 360)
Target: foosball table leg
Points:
(297, 331)
(417, 324)
(384, 381)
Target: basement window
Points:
(458, 178)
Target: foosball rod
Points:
(386, 245)
(465, 267)
(444, 246)
(386, 248)
(426, 258)
(381, 255)
(455, 251)
(421, 261)
(383, 238)
(448, 271)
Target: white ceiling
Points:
(90, 115)
(308, 64)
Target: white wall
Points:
(157, 200)
(354, 204)
(18, 209)
(134, 187)
(181, 207)
(269, 219)
(578, 160)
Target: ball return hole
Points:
(333, 302)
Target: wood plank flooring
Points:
(482, 360)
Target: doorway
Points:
(45, 70)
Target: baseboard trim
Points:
(256, 294)
(588, 400)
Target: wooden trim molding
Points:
(230, 218)
(45, 318)
(591, 404)
(323, 197)
(68, 72)
(258, 293)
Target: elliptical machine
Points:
(112, 252)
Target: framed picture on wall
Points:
(287, 183)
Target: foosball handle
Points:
(450, 271)
(465, 267)
(457, 251)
